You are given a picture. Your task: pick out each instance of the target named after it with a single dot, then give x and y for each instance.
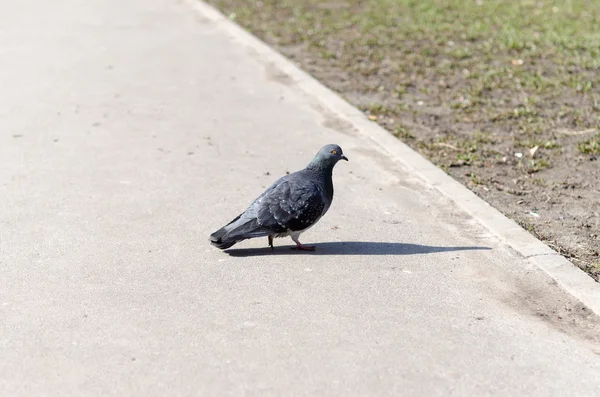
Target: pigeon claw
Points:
(301, 247)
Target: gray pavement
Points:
(132, 130)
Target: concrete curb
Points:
(568, 276)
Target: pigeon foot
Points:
(271, 243)
(301, 247)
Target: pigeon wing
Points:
(292, 204)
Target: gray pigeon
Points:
(288, 207)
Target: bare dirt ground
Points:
(503, 95)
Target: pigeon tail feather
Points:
(238, 230)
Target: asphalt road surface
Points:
(132, 130)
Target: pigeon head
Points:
(327, 157)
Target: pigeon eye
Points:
(334, 152)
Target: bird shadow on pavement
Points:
(353, 248)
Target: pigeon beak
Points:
(344, 158)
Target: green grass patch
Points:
(590, 146)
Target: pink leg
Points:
(301, 247)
